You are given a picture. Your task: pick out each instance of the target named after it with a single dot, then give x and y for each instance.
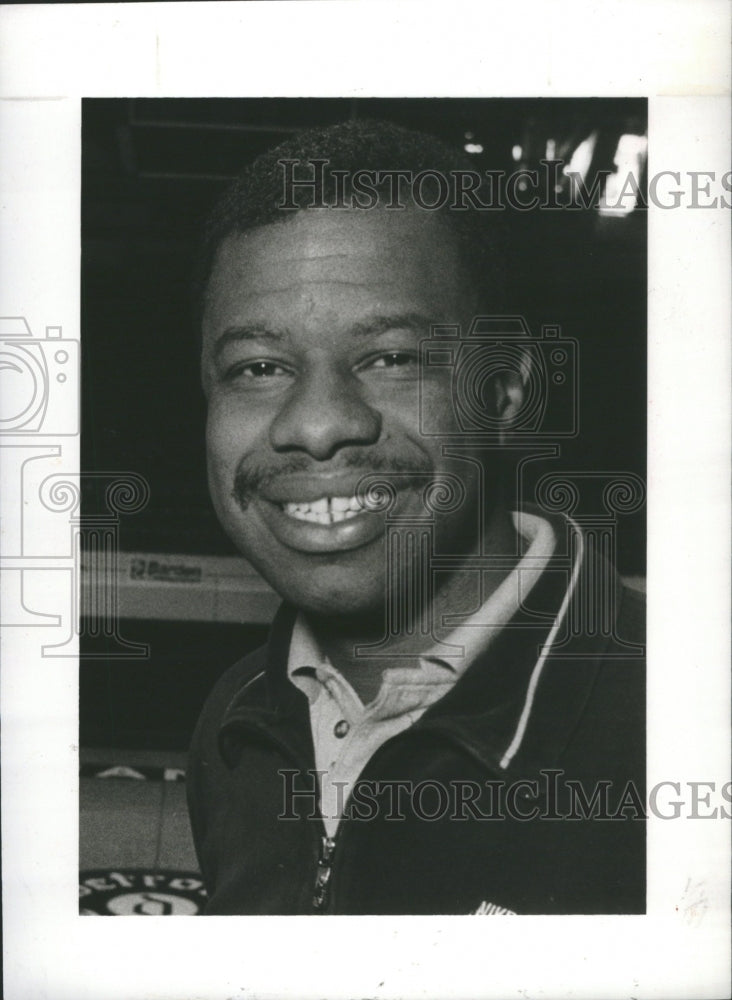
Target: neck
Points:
(458, 592)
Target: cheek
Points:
(228, 439)
(217, 447)
(423, 408)
(233, 427)
(437, 412)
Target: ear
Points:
(510, 393)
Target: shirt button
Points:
(341, 729)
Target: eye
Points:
(399, 362)
(257, 371)
(396, 359)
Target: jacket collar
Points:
(514, 708)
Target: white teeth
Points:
(326, 510)
(343, 515)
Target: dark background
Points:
(151, 168)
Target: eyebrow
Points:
(370, 327)
(375, 325)
(235, 334)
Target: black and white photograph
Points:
(365, 434)
(409, 322)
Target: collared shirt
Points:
(347, 733)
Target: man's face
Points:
(311, 370)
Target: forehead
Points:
(339, 257)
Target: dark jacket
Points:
(440, 821)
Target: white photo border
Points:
(674, 54)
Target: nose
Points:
(324, 411)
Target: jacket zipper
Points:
(323, 873)
(323, 887)
(326, 844)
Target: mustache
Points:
(250, 478)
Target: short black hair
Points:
(257, 197)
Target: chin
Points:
(333, 597)
(329, 585)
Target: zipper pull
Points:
(322, 877)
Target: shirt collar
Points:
(308, 668)
(472, 636)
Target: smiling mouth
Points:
(325, 510)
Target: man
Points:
(427, 729)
